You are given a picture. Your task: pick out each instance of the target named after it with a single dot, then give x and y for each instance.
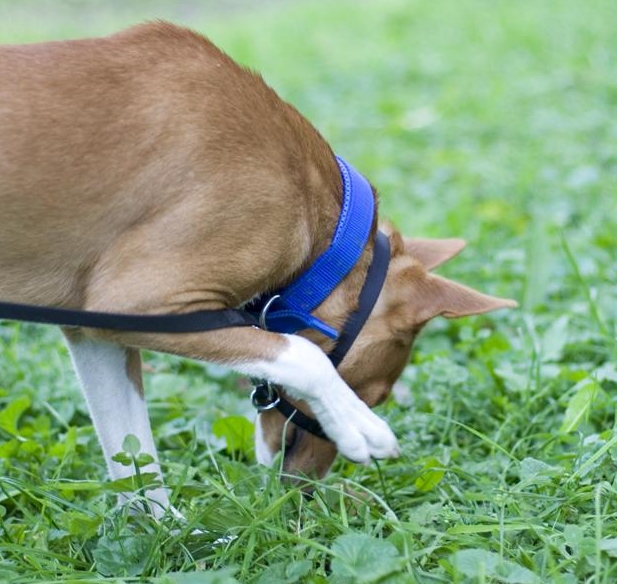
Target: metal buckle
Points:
(264, 397)
(264, 312)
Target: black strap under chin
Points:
(373, 283)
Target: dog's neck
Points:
(290, 309)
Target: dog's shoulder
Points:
(167, 41)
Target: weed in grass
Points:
(493, 122)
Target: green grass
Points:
(492, 121)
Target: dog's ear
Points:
(443, 297)
(432, 252)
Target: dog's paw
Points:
(365, 436)
(359, 434)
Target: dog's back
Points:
(104, 138)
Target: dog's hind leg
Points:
(110, 377)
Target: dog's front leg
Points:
(307, 374)
(297, 364)
(110, 377)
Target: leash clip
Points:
(265, 396)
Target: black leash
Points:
(265, 395)
(190, 322)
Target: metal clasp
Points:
(265, 396)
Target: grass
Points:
(492, 121)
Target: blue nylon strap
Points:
(289, 321)
(291, 312)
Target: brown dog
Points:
(148, 173)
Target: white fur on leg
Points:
(308, 374)
(262, 452)
(116, 408)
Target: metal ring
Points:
(273, 400)
(264, 312)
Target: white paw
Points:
(359, 434)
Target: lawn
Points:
(491, 121)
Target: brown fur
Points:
(146, 172)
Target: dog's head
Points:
(410, 297)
